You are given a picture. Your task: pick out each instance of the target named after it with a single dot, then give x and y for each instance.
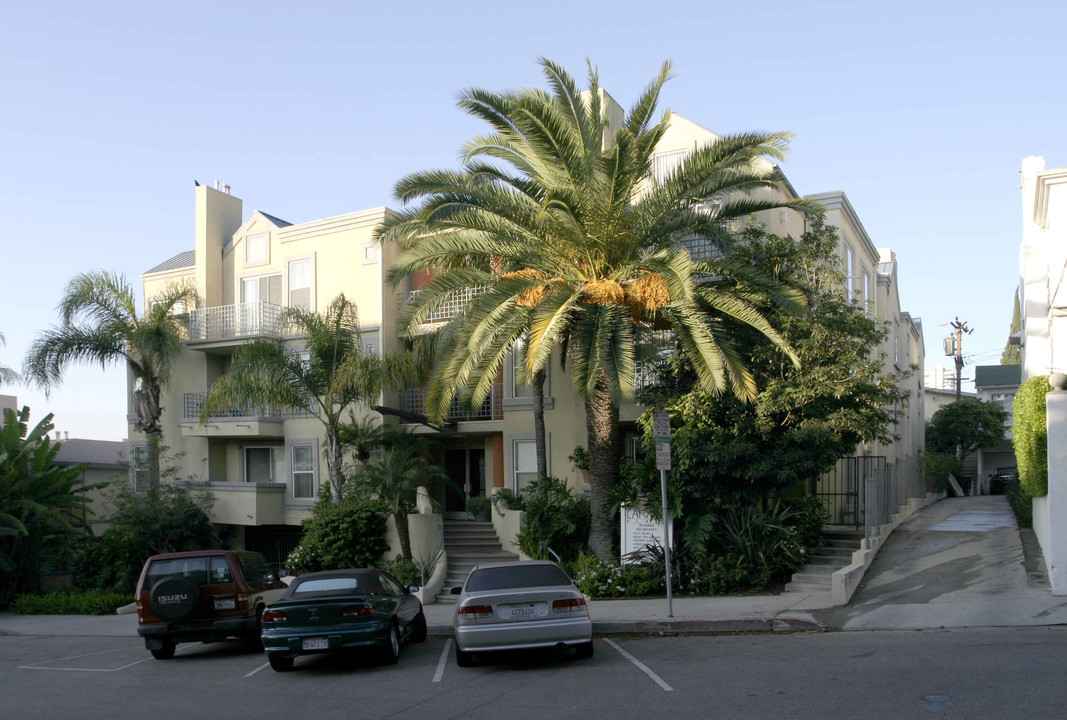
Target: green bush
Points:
(936, 467)
(1030, 435)
(408, 573)
(479, 507)
(70, 602)
(1022, 504)
(349, 535)
(729, 573)
(554, 519)
(511, 501)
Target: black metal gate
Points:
(274, 542)
(842, 489)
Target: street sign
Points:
(661, 433)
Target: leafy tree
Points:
(555, 229)
(1013, 354)
(965, 426)
(173, 516)
(100, 323)
(324, 377)
(41, 504)
(7, 375)
(729, 452)
(350, 534)
(395, 477)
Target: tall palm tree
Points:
(7, 375)
(555, 222)
(99, 323)
(324, 377)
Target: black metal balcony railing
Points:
(236, 321)
(413, 400)
(193, 403)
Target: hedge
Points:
(1030, 435)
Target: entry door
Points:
(466, 471)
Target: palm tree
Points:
(7, 375)
(325, 377)
(100, 324)
(397, 475)
(555, 222)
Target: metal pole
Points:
(666, 541)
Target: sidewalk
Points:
(960, 562)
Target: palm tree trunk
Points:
(602, 431)
(155, 442)
(333, 464)
(401, 518)
(539, 422)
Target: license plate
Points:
(315, 644)
(524, 612)
(225, 604)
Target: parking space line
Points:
(441, 663)
(641, 666)
(264, 665)
(67, 669)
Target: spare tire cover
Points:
(174, 598)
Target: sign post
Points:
(661, 433)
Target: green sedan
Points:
(338, 610)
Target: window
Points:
(370, 253)
(867, 292)
(524, 460)
(264, 464)
(304, 484)
(849, 258)
(519, 389)
(663, 164)
(139, 468)
(264, 288)
(300, 282)
(256, 249)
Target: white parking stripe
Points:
(441, 663)
(257, 669)
(641, 666)
(41, 667)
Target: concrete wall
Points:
(1052, 530)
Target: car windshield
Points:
(519, 576)
(326, 585)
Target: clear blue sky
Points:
(920, 111)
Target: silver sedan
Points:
(516, 605)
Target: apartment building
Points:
(265, 465)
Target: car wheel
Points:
(280, 663)
(418, 627)
(166, 652)
(464, 658)
(391, 649)
(255, 638)
(585, 650)
(174, 598)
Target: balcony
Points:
(229, 322)
(239, 503)
(413, 401)
(260, 422)
(448, 309)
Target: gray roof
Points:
(99, 453)
(277, 221)
(185, 259)
(991, 375)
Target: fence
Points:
(413, 400)
(236, 321)
(863, 492)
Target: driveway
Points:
(961, 562)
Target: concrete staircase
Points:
(469, 542)
(830, 555)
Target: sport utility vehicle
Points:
(203, 596)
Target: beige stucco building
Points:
(265, 465)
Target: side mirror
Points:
(456, 590)
(412, 589)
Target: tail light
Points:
(568, 605)
(270, 616)
(242, 601)
(478, 611)
(357, 610)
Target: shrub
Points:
(553, 519)
(349, 535)
(479, 507)
(1030, 435)
(1022, 504)
(936, 467)
(508, 499)
(407, 572)
(731, 573)
(70, 602)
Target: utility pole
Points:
(960, 328)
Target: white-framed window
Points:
(304, 470)
(849, 274)
(518, 371)
(257, 250)
(264, 463)
(262, 288)
(370, 253)
(139, 467)
(524, 463)
(867, 292)
(301, 282)
(663, 164)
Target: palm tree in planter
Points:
(396, 476)
(557, 232)
(100, 324)
(324, 376)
